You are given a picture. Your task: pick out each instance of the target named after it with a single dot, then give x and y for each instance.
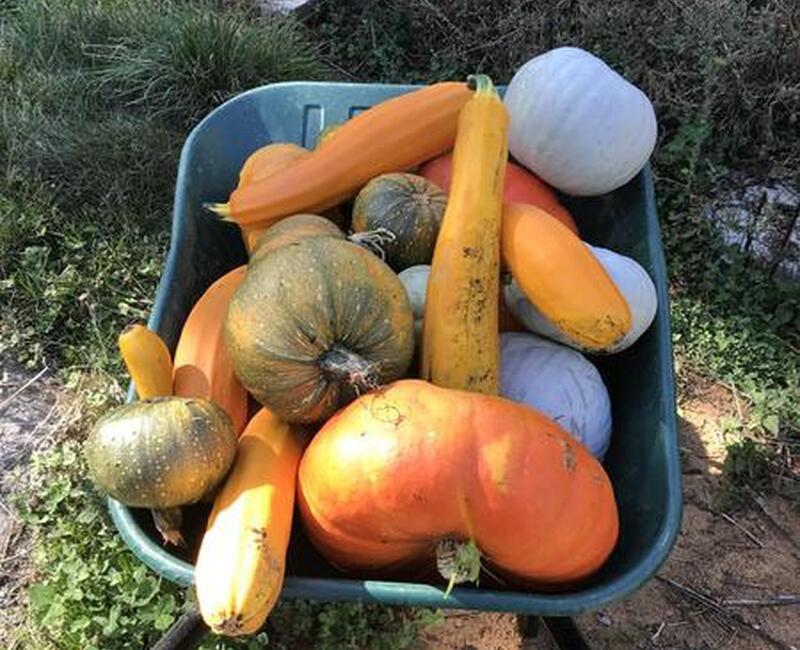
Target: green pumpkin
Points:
(293, 229)
(162, 452)
(316, 323)
(407, 206)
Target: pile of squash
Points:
(411, 323)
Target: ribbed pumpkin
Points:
(577, 123)
(403, 469)
(161, 452)
(316, 323)
(561, 383)
(293, 229)
(407, 206)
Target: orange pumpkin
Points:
(202, 366)
(403, 468)
(521, 186)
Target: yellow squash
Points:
(460, 345)
(559, 274)
(242, 558)
(148, 361)
(149, 364)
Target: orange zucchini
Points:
(202, 366)
(242, 559)
(392, 136)
(559, 274)
(460, 340)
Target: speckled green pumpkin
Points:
(316, 323)
(161, 452)
(408, 206)
(293, 229)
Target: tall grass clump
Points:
(96, 99)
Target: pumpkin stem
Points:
(168, 522)
(374, 240)
(341, 364)
(482, 85)
(222, 210)
(457, 561)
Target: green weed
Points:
(746, 466)
(90, 592)
(70, 283)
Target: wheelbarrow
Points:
(643, 460)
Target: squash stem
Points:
(344, 365)
(374, 240)
(482, 85)
(222, 210)
(457, 561)
(168, 522)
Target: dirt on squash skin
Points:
(713, 557)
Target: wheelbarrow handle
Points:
(185, 634)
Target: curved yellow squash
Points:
(460, 340)
(559, 274)
(148, 361)
(242, 559)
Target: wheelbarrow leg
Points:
(563, 631)
(189, 631)
(185, 634)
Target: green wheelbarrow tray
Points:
(642, 461)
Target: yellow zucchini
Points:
(148, 361)
(560, 275)
(242, 558)
(460, 344)
(149, 364)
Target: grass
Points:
(96, 101)
(96, 97)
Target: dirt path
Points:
(28, 407)
(713, 557)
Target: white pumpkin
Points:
(631, 279)
(577, 123)
(415, 281)
(559, 382)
